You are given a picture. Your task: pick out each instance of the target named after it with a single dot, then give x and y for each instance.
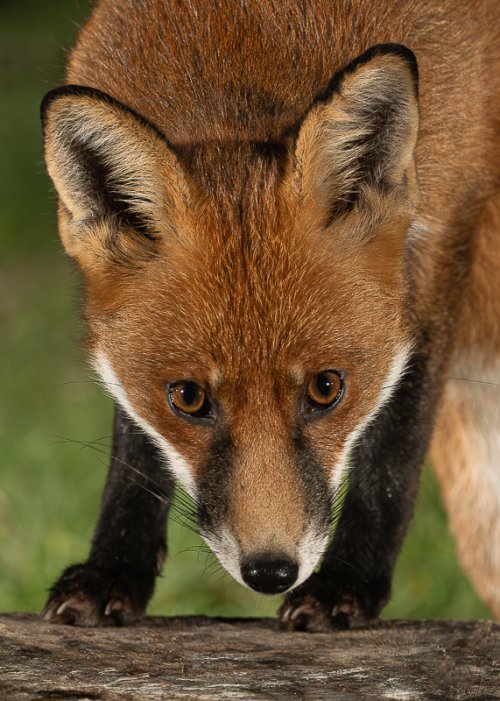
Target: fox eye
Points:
(189, 400)
(324, 391)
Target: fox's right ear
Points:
(119, 183)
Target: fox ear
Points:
(362, 134)
(117, 179)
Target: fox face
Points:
(246, 301)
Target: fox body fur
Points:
(287, 217)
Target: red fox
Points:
(287, 216)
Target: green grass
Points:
(55, 421)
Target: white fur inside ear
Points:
(396, 371)
(79, 127)
(176, 462)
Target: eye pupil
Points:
(324, 385)
(190, 393)
(324, 390)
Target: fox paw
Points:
(87, 596)
(317, 607)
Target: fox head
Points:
(246, 300)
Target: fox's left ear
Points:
(362, 134)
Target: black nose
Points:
(268, 574)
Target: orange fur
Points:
(250, 281)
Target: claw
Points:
(112, 606)
(285, 616)
(307, 609)
(74, 603)
(48, 615)
(62, 608)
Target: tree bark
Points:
(206, 659)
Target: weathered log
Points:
(207, 659)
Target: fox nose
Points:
(268, 574)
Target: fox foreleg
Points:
(116, 582)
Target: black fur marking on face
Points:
(315, 489)
(217, 472)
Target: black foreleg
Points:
(129, 543)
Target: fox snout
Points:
(266, 510)
(271, 571)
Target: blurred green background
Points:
(55, 421)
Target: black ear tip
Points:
(46, 101)
(403, 52)
(64, 90)
(97, 95)
(394, 49)
(389, 49)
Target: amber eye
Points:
(324, 390)
(190, 400)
